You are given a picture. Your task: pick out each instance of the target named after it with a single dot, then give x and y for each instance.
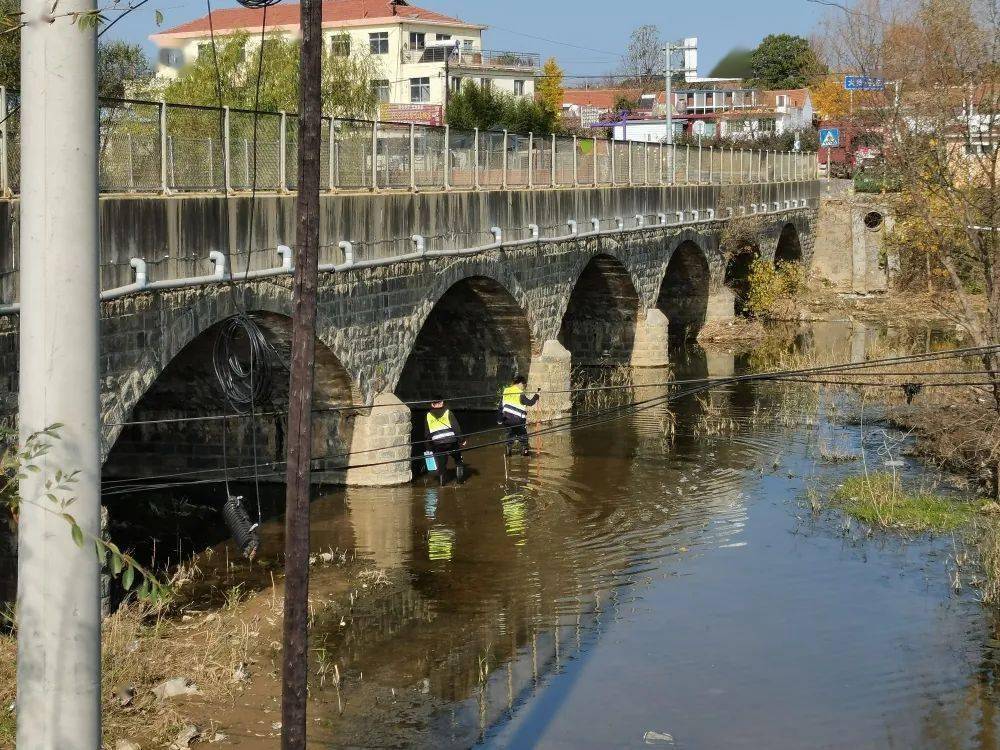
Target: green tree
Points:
(550, 87)
(784, 61)
(488, 109)
(122, 70)
(10, 44)
(346, 88)
(625, 103)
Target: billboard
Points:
(421, 114)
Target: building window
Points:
(468, 43)
(442, 37)
(378, 41)
(420, 90)
(782, 100)
(418, 40)
(340, 46)
(486, 83)
(518, 88)
(171, 57)
(456, 83)
(381, 90)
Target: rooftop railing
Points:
(474, 58)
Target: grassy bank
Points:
(940, 405)
(881, 500)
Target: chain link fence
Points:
(158, 147)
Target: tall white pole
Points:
(668, 92)
(58, 596)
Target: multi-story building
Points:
(422, 54)
(732, 112)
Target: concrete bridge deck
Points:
(452, 291)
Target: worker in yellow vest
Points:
(513, 412)
(443, 436)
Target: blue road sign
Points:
(864, 83)
(829, 137)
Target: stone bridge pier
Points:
(394, 332)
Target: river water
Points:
(657, 580)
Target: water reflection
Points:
(654, 573)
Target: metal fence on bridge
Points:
(155, 147)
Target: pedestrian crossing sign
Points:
(829, 137)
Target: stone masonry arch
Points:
(788, 248)
(474, 338)
(163, 439)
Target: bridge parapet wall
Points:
(175, 234)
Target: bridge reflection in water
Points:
(655, 573)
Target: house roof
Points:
(335, 13)
(599, 98)
(796, 97)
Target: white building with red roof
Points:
(421, 52)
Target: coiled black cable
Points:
(243, 362)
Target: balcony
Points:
(474, 58)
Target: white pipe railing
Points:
(223, 273)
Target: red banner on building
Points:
(421, 114)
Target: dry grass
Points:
(142, 646)
(713, 419)
(988, 547)
(607, 387)
(227, 649)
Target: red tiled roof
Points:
(600, 98)
(796, 97)
(287, 14)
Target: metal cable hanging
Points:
(257, 4)
(242, 359)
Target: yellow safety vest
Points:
(440, 427)
(511, 404)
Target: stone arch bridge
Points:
(446, 293)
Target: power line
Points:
(797, 375)
(556, 41)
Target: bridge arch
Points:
(599, 323)
(789, 248)
(184, 321)
(474, 337)
(161, 437)
(737, 276)
(684, 291)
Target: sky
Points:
(598, 30)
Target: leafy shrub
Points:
(772, 287)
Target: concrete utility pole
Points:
(58, 593)
(294, 673)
